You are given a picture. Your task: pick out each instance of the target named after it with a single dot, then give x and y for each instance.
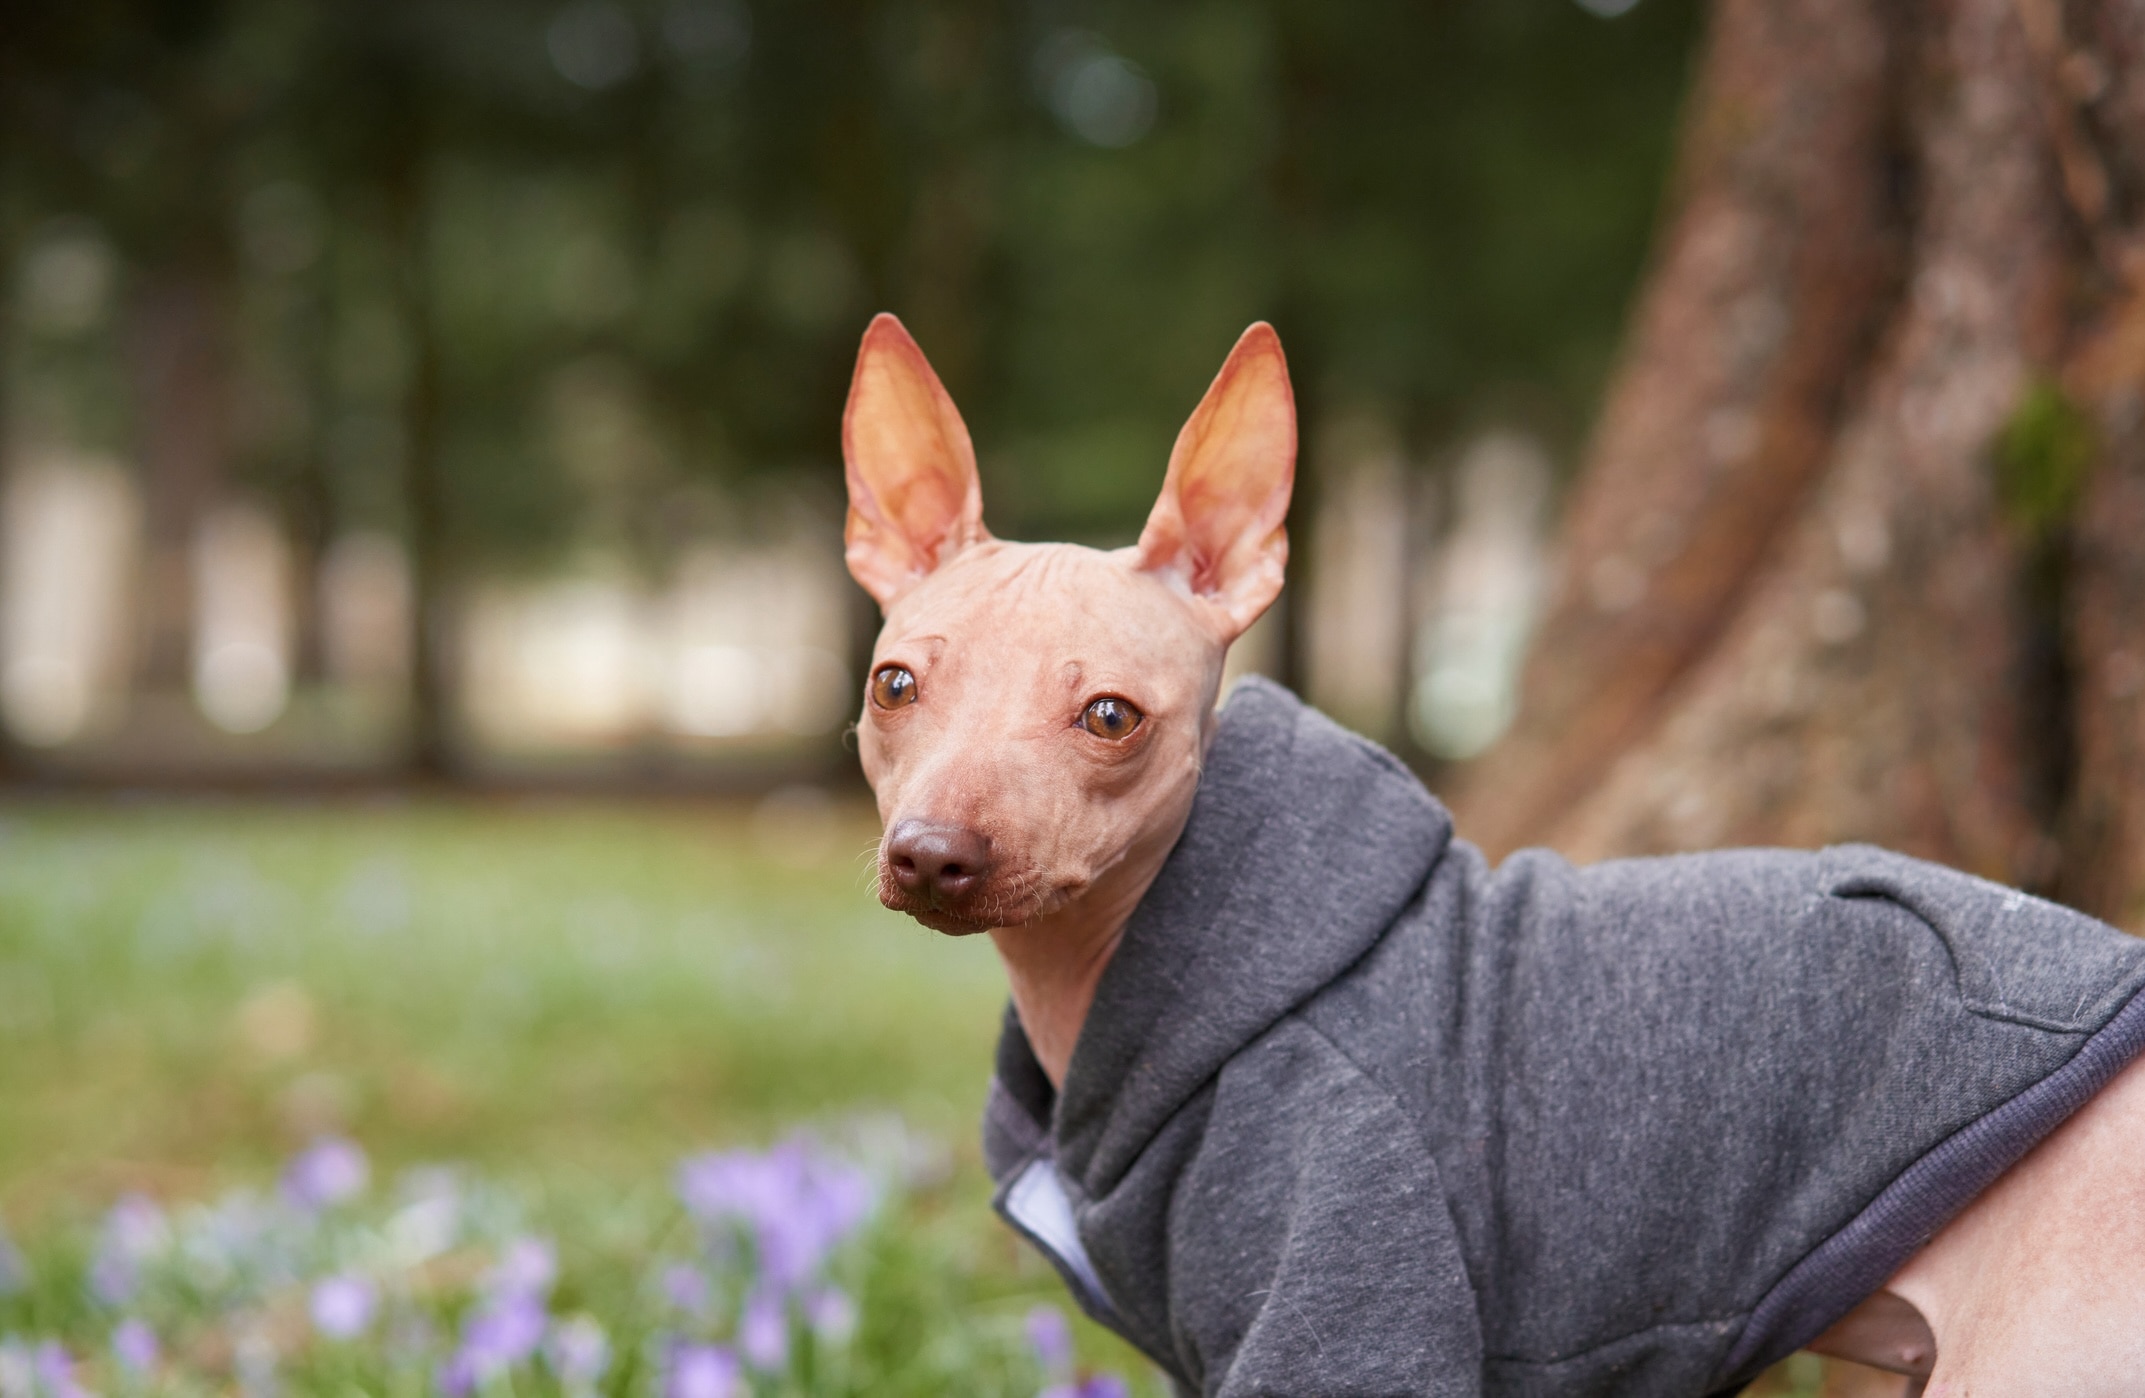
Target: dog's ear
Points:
(1217, 530)
(914, 499)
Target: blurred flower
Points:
(425, 1227)
(763, 1331)
(701, 1371)
(55, 1372)
(797, 1203)
(133, 1233)
(503, 1333)
(342, 1306)
(686, 1288)
(330, 1171)
(242, 1237)
(526, 1269)
(1094, 1386)
(134, 1346)
(1050, 1338)
(831, 1314)
(578, 1352)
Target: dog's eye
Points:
(1110, 718)
(892, 686)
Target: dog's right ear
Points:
(1216, 532)
(914, 498)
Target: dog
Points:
(1301, 1097)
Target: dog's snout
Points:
(937, 862)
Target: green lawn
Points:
(567, 997)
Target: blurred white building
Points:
(1480, 596)
(1361, 551)
(242, 634)
(70, 538)
(744, 644)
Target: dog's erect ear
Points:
(914, 499)
(1217, 531)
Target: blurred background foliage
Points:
(523, 285)
(1076, 207)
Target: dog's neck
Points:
(1054, 963)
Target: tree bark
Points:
(1874, 683)
(1868, 629)
(1777, 253)
(2094, 74)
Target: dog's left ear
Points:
(1216, 531)
(914, 497)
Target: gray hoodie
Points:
(1355, 1114)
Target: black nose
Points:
(938, 862)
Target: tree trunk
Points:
(1855, 551)
(1777, 250)
(430, 748)
(179, 355)
(2095, 77)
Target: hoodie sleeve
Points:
(1311, 1250)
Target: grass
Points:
(567, 997)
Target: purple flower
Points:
(763, 1332)
(701, 1371)
(134, 1346)
(831, 1314)
(686, 1288)
(526, 1269)
(55, 1372)
(502, 1334)
(342, 1306)
(133, 1233)
(797, 1204)
(326, 1173)
(1050, 1338)
(1094, 1386)
(578, 1352)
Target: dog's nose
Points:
(939, 862)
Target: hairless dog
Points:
(1302, 1097)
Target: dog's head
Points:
(1035, 714)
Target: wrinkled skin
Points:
(1009, 643)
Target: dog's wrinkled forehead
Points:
(1005, 616)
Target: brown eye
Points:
(892, 686)
(1110, 718)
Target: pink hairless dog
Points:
(1302, 1097)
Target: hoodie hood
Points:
(1304, 844)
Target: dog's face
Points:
(1036, 713)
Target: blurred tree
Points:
(1854, 553)
(579, 283)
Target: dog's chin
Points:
(967, 916)
(949, 923)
